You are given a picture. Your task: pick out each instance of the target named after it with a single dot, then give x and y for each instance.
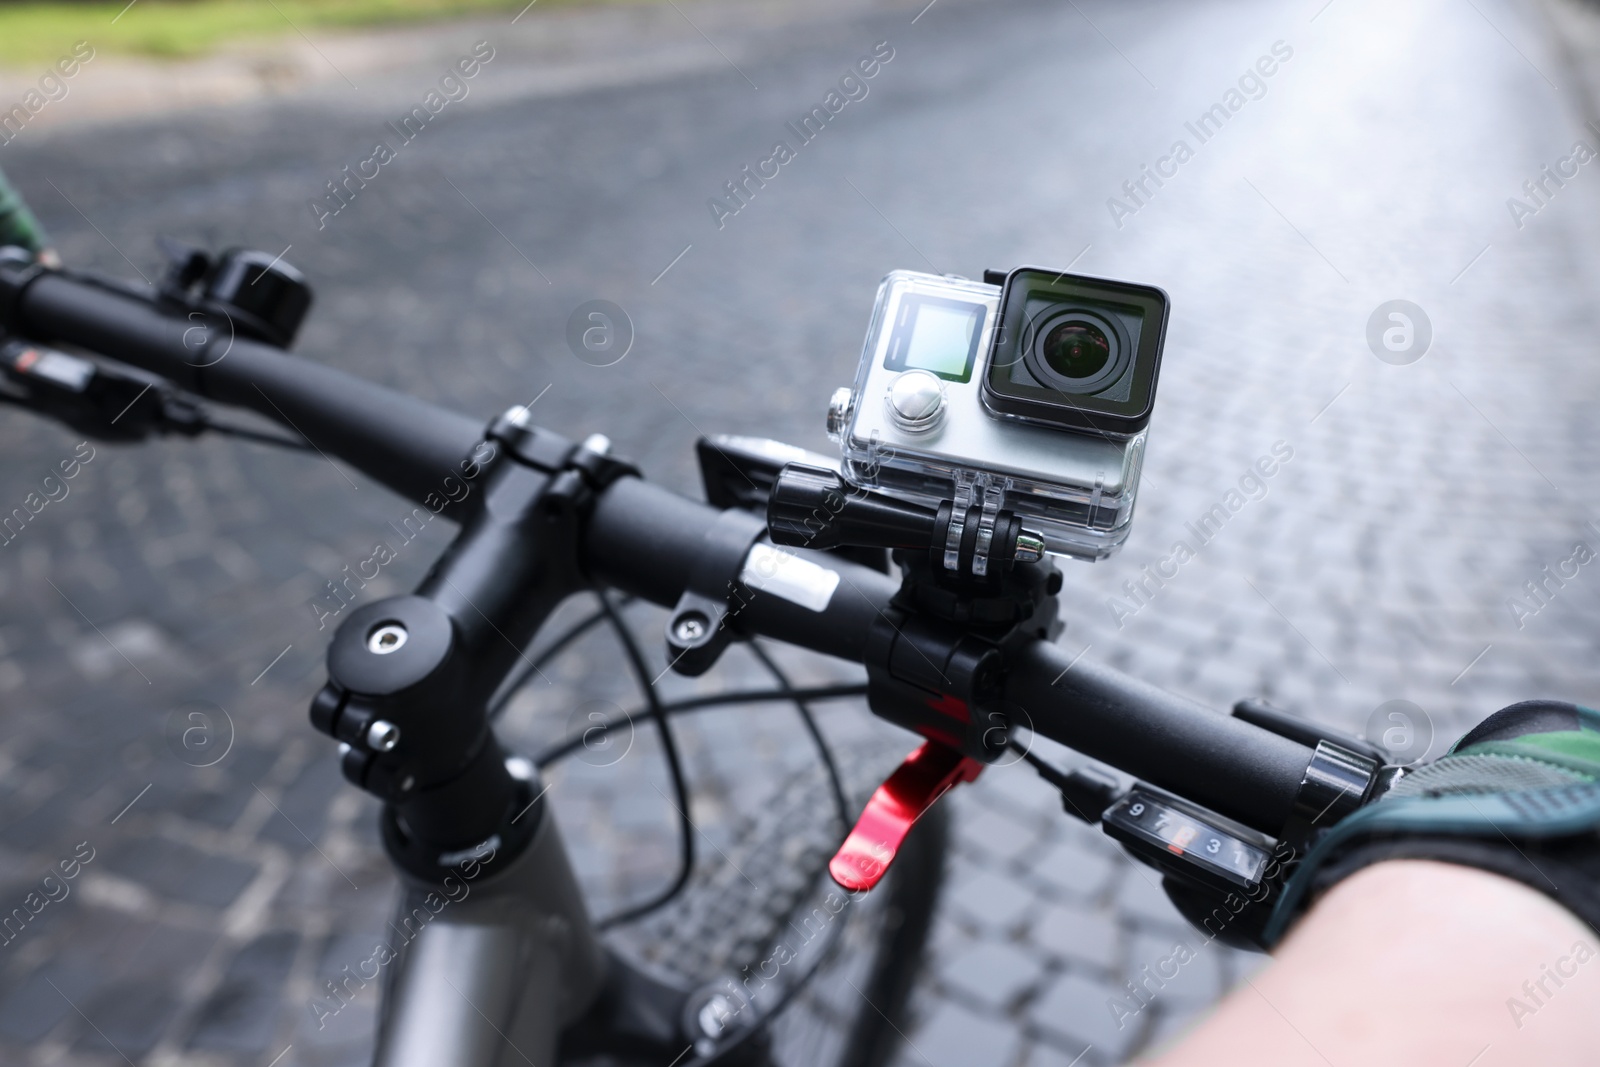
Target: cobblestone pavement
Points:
(1384, 558)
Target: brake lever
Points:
(106, 404)
(905, 796)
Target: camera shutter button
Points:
(916, 401)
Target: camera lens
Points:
(1076, 349)
(1074, 353)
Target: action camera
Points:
(1033, 396)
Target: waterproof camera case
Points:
(1031, 396)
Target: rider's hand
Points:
(1518, 795)
(19, 227)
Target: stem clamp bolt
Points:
(382, 736)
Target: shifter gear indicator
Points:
(1185, 838)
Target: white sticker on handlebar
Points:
(770, 569)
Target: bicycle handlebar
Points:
(645, 540)
(402, 442)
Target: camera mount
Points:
(813, 507)
(937, 658)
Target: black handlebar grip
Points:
(1232, 767)
(406, 444)
(645, 540)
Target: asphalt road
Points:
(1383, 561)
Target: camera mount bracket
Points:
(966, 538)
(937, 657)
(980, 490)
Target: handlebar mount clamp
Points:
(937, 657)
(701, 624)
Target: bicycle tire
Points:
(851, 1010)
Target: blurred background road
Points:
(1388, 558)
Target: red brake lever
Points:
(926, 775)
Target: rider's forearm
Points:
(18, 226)
(1415, 964)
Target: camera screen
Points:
(935, 334)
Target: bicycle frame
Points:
(495, 978)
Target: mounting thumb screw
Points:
(813, 507)
(1030, 547)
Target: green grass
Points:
(34, 34)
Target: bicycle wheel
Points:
(794, 972)
(788, 970)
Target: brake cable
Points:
(841, 803)
(669, 747)
(564, 748)
(502, 699)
